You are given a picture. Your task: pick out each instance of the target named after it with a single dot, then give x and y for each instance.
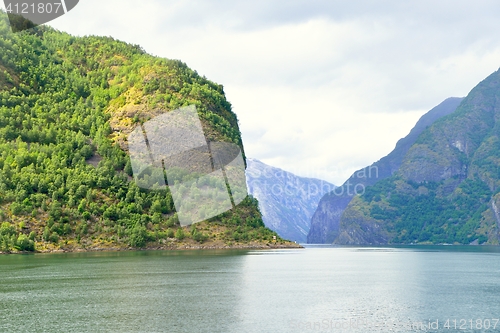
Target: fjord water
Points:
(317, 289)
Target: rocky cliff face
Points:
(447, 187)
(325, 224)
(287, 202)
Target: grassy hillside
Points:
(66, 107)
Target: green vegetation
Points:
(66, 107)
(421, 214)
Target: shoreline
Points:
(164, 247)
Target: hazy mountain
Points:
(447, 188)
(287, 202)
(325, 221)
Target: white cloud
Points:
(320, 87)
(345, 137)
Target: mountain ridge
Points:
(325, 223)
(447, 188)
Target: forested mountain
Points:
(287, 202)
(325, 222)
(447, 188)
(66, 107)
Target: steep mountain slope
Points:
(287, 202)
(446, 190)
(66, 107)
(325, 221)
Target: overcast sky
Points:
(321, 87)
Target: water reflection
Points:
(181, 291)
(318, 289)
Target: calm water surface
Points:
(319, 289)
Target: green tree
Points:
(179, 234)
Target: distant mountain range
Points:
(287, 202)
(326, 221)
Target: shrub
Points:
(199, 237)
(16, 208)
(23, 243)
(54, 238)
(138, 236)
(111, 213)
(46, 234)
(179, 234)
(4, 244)
(7, 229)
(156, 218)
(173, 220)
